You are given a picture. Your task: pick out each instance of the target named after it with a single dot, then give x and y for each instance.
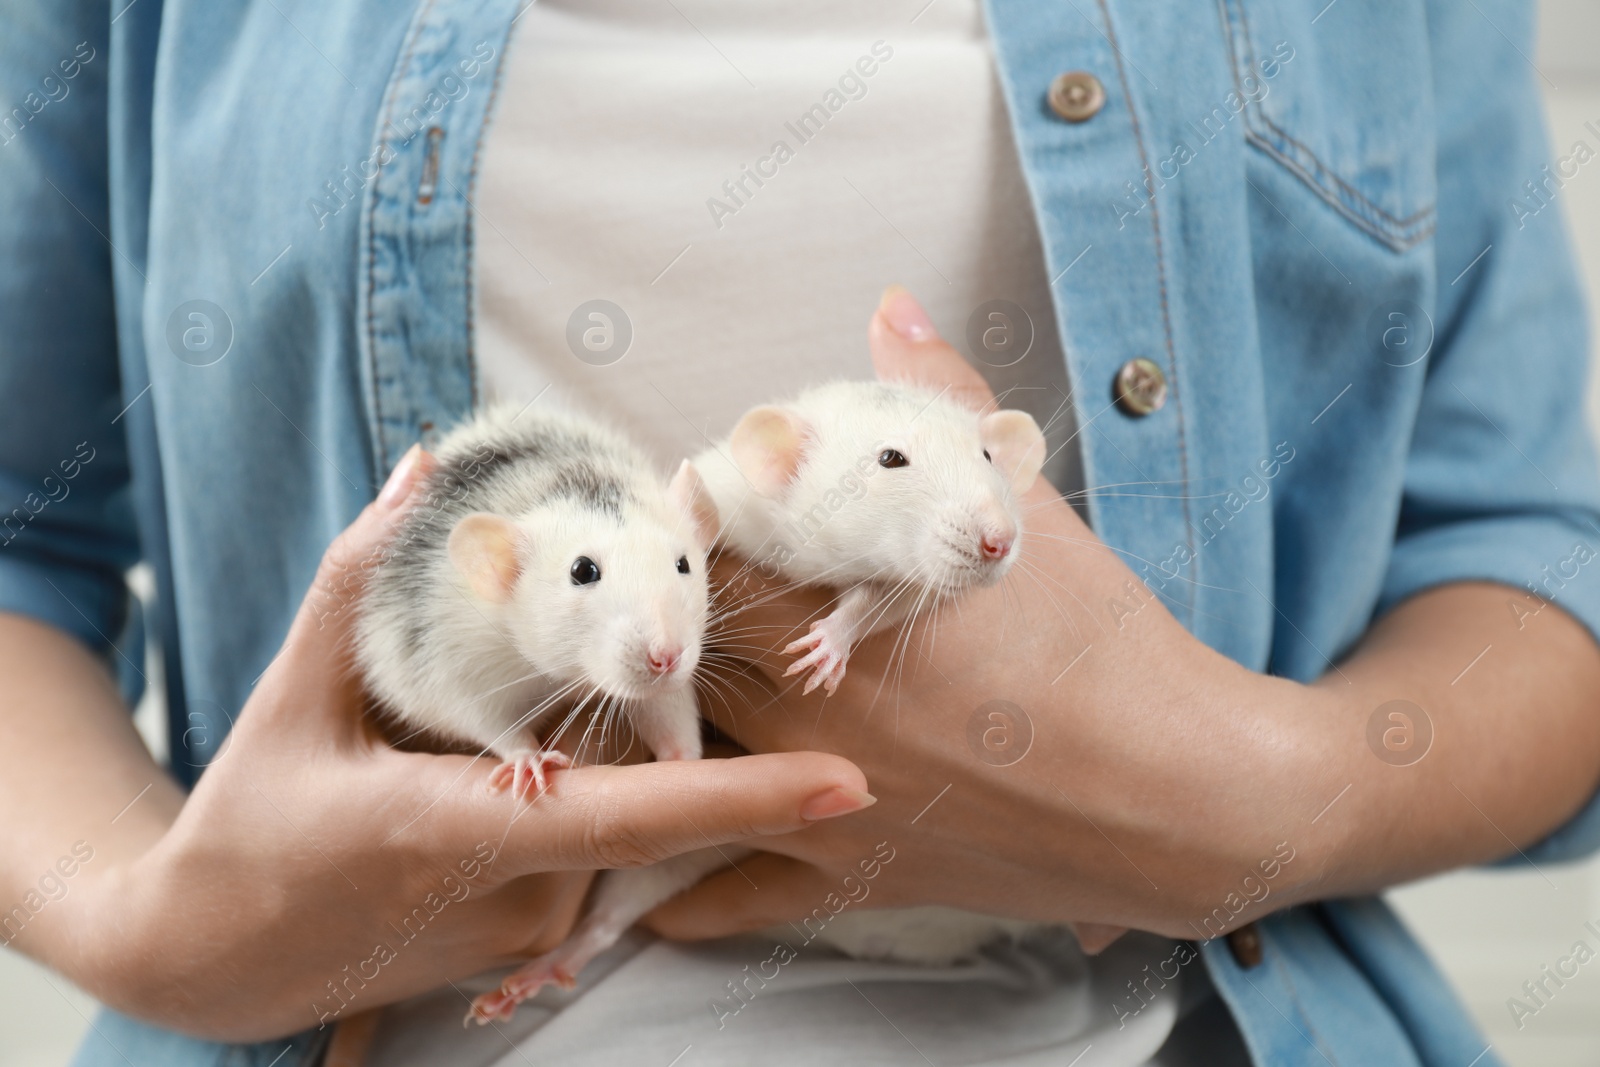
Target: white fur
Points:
(843, 520)
(484, 665)
(933, 936)
(827, 513)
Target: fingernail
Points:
(905, 316)
(401, 479)
(835, 802)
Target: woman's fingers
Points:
(606, 817)
(725, 904)
(906, 348)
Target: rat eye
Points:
(890, 457)
(585, 571)
(683, 564)
(986, 456)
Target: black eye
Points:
(986, 455)
(891, 458)
(584, 571)
(683, 564)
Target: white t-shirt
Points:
(743, 179)
(626, 164)
(648, 1002)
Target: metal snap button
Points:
(1077, 96)
(1139, 388)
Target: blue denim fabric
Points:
(1313, 217)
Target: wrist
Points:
(114, 946)
(1272, 788)
(1324, 789)
(100, 937)
(1227, 828)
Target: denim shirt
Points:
(238, 285)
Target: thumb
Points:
(630, 816)
(906, 348)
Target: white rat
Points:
(545, 566)
(895, 494)
(903, 498)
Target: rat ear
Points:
(690, 496)
(1015, 444)
(768, 445)
(483, 548)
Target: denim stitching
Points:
(1396, 241)
(1161, 276)
(1399, 234)
(396, 88)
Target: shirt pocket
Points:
(1341, 95)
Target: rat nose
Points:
(995, 545)
(663, 658)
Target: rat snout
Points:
(997, 534)
(996, 545)
(979, 539)
(663, 657)
(650, 654)
(669, 649)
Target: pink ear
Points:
(689, 495)
(768, 446)
(1015, 444)
(483, 548)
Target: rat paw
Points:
(519, 986)
(489, 1008)
(828, 655)
(524, 773)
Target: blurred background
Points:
(1490, 931)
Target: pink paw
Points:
(518, 986)
(827, 657)
(524, 772)
(489, 1008)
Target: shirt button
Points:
(1246, 945)
(1077, 96)
(1139, 388)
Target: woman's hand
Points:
(1059, 748)
(316, 872)
(1055, 748)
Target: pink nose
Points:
(995, 546)
(663, 659)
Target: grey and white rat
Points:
(545, 566)
(902, 498)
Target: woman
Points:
(1306, 368)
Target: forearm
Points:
(70, 764)
(1512, 704)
